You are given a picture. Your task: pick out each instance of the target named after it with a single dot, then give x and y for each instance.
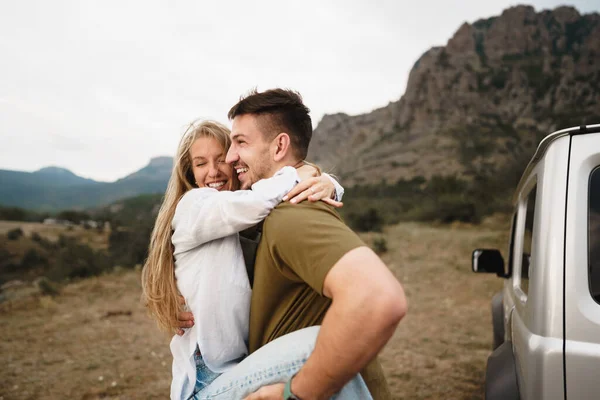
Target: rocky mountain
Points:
(478, 105)
(54, 188)
(159, 169)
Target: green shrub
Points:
(456, 208)
(76, 260)
(46, 244)
(46, 286)
(14, 234)
(20, 214)
(64, 241)
(73, 216)
(12, 214)
(11, 267)
(36, 237)
(33, 259)
(129, 247)
(380, 245)
(369, 221)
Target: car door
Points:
(582, 269)
(537, 282)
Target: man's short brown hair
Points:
(278, 110)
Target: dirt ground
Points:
(94, 340)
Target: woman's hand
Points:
(185, 319)
(314, 189)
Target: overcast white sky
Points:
(100, 87)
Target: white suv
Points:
(546, 320)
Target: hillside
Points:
(476, 107)
(57, 188)
(60, 177)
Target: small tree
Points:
(14, 234)
(36, 237)
(370, 221)
(380, 245)
(78, 261)
(33, 259)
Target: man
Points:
(310, 268)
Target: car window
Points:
(527, 240)
(511, 244)
(594, 234)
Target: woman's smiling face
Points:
(209, 166)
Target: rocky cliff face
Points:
(158, 169)
(477, 104)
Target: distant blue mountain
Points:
(61, 177)
(54, 188)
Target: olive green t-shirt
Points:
(299, 245)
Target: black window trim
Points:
(594, 170)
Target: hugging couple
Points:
(305, 313)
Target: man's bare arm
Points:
(368, 302)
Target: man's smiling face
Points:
(249, 152)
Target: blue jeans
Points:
(276, 362)
(204, 376)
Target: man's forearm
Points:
(354, 330)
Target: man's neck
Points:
(286, 163)
(298, 164)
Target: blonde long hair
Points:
(160, 292)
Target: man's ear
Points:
(281, 147)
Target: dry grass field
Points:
(90, 237)
(94, 341)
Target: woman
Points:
(195, 250)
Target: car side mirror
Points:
(488, 261)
